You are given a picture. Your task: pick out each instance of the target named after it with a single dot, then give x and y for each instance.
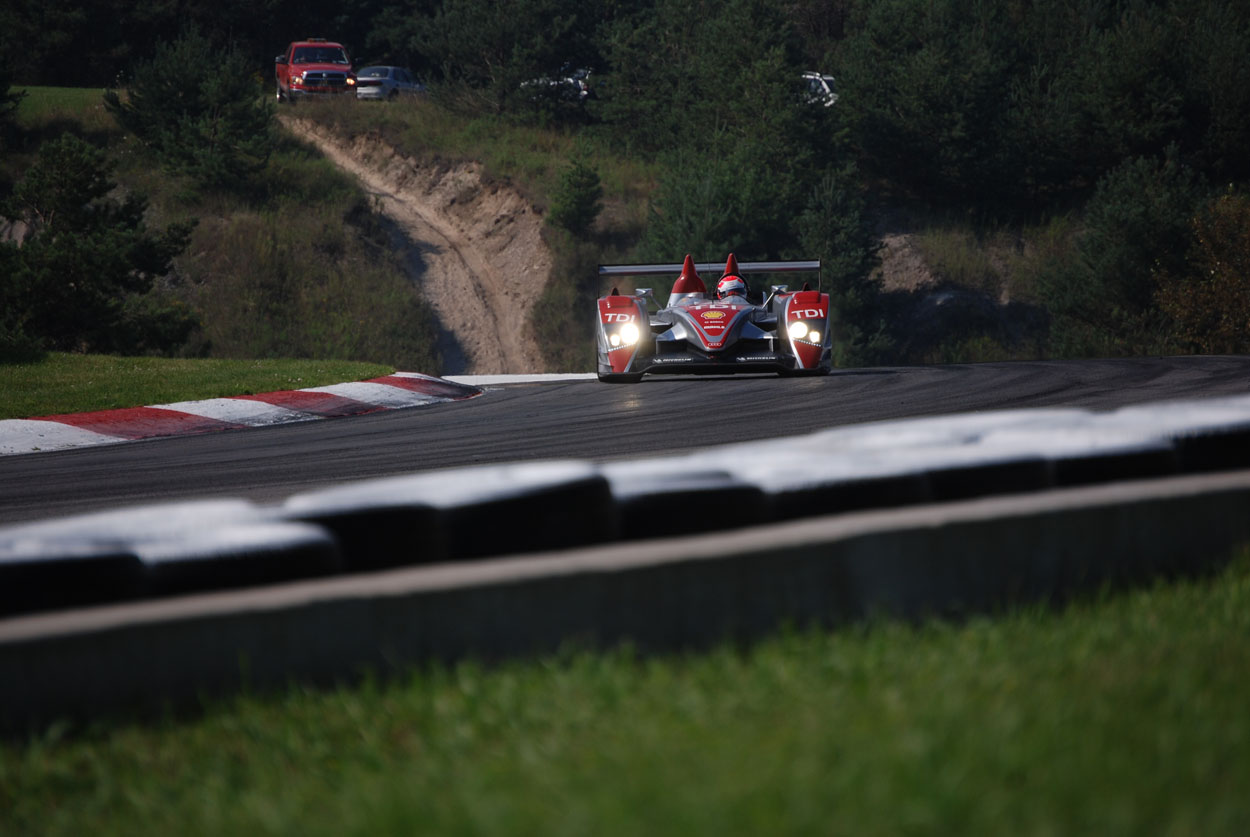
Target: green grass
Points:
(530, 157)
(1126, 715)
(296, 264)
(45, 105)
(66, 383)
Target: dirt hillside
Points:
(475, 249)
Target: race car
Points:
(718, 333)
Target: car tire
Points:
(281, 98)
(620, 377)
(806, 373)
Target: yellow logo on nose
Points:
(713, 315)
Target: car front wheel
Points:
(620, 377)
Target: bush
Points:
(198, 108)
(1210, 301)
(9, 100)
(563, 317)
(577, 200)
(88, 257)
(1137, 227)
(834, 228)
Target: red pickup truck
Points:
(314, 67)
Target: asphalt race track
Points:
(582, 420)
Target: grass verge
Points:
(1124, 715)
(295, 263)
(68, 383)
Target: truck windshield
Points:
(319, 55)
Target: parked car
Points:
(385, 83)
(313, 67)
(571, 85)
(820, 89)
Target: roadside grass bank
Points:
(532, 159)
(1120, 714)
(73, 383)
(293, 263)
(52, 109)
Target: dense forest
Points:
(1120, 127)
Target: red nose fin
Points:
(731, 266)
(689, 281)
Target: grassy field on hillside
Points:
(532, 159)
(66, 383)
(1125, 715)
(296, 263)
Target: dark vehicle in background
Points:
(386, 83)
(313, 67)
(820, 88)
(571, 85)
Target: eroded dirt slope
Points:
(475, 249)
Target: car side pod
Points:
(624, 335)
(804, 327)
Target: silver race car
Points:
(719, 333)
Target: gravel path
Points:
(475, 249)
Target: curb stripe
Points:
(379, 395)
(30, 436)
(142, 422)
(239, 411)
(429, 386)
(395, 391)
(324, 404)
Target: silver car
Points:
(386, 83)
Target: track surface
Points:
(583, 420)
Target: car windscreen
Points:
(319, 55)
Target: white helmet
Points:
(730, 285)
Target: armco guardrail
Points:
(454, 596)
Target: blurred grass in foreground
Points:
(1124, 715)
(68, 383)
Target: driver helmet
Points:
(729, 285)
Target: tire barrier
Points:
(496, 560)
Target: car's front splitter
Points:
(688, 363)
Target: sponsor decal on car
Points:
(806, 314)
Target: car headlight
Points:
(629, 334)
(297, 79)
(351, 82)
(814, 336)
(798, 329)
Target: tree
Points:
(1210, 301)
(493, 49)
(9, 100)
(76, 282)
(834, 228)
(578, 200)
(198, 108)
(1137, 227)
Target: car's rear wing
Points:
(710, 268)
